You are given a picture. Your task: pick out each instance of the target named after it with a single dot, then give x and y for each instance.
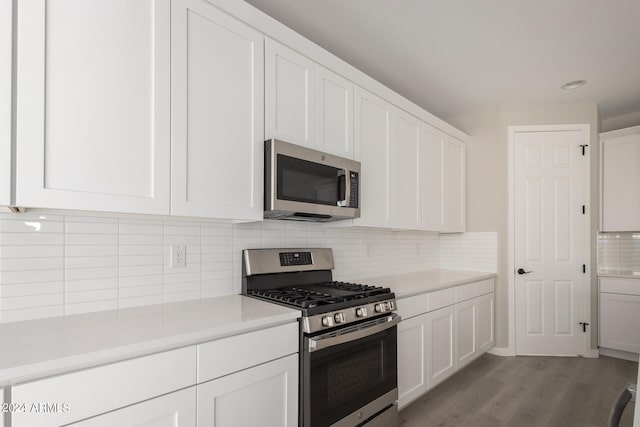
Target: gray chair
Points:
(627, 394)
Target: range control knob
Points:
(379, 308)
(361, 312)
(326, 321)
(339, 317)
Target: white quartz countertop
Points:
(619, 273)
(39, 348)
(408, 284)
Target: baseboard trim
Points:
(502, 351)
(619, 354)
(591, 354)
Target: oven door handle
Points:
(320, 343)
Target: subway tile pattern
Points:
(476, 251)
(57, 264)
(619, 253)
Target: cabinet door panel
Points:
(453, 194)
(485, 334)
(6, 62)
(441, 344)
(466, 344)
(407, 209)
(272, 389)
(620, 182)
(412, 359)
(217, 114)
(619, 320)
(431, 179)
(373, 148)
(172, 410)
(290, 95)
(335, 113)
(93, 105)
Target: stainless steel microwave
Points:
(309, 185)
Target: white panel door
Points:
(290, 102)
(93, 105)
(466, 326)
(407, 205)
(272, 389)
(619, 321)
(373, 135)
(6, 62)
(413, 379)
(453, 186)
(432, 180)
(620, 182)
(217, 106)
(551, 234)
(171, 410)
(441, 344)
(335, 113)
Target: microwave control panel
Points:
(354, 181)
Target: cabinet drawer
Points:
(412, 306)
(442, 298)
(97, 390)
(614, 285)
(473, 290)
(250, 349)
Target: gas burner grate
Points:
(304, 298)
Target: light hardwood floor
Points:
(526, 391)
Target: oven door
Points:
(350, 375)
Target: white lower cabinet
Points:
(208, 384)
(620, 314)
(440, 333)
(412, 366)
(466, 344)
(172, 410)
(272, 389)
(485, 309)
(441, 345)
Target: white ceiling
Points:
(457, 56)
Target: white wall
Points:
(487, 182)
(620, 122)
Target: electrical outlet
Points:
(178, 256)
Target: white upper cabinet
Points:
(93, 113)
(620, 180)
(6, 30)
(335, 113)
(453, 188)
(290, 88)
(307, 104)
(373, 135)
(217, 110)
(431, 179)
(406, 196)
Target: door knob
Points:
(521, 271)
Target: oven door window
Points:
(344, 378)
(303, 181)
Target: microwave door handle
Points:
(319, 343)
(344, 190)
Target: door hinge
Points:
(584, 268)
(584, 210)
(584, 326)
(583, 146)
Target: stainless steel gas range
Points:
(348, 336)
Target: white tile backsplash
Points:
(52, 265)
(618, 253)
